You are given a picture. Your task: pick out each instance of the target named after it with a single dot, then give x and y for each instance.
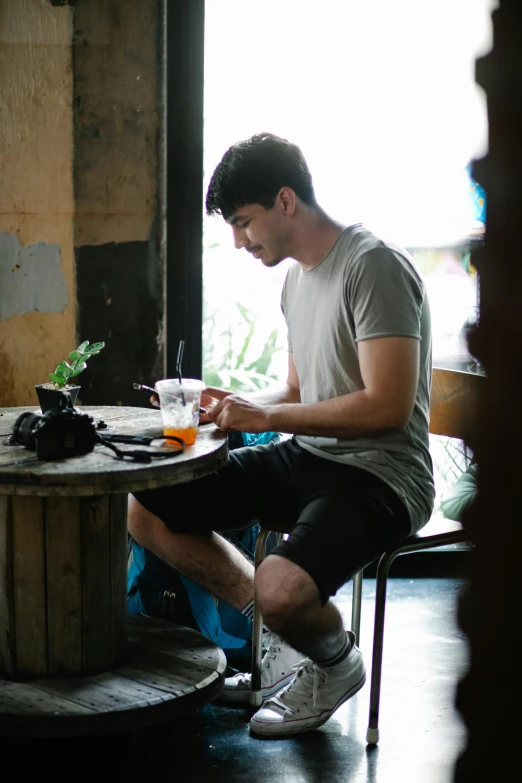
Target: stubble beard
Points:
(272, 262)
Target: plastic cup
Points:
(180, 403)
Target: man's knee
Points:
(284, 592)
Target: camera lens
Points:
(23, 429)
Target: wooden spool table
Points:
(71, 661)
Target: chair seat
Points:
(437, 525)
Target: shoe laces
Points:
(272, 649)
(309, 677)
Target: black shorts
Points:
(343, 517)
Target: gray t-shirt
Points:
(363, 288)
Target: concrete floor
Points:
(421, 733)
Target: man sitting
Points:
(355, 477)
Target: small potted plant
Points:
(49, 393)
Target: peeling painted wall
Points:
(79, 156)
(37, 300)
(32, 278)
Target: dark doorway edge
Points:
(185, 33)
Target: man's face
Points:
(262, 232)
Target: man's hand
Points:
(210, 397)
(231, 412)
(235, 413)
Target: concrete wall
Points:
(37, 278)
(81, 249)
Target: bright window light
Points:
(381, 96)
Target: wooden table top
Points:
(101, 471)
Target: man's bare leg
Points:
(288, 597)
(211, 561)
(291, 606)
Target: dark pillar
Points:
(489, 696)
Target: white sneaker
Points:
(276, 671)
(311, 697)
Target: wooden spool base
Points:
(171, 671)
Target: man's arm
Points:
(389, 370)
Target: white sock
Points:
(340, 655)
(248, 610)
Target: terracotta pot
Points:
(48, 396)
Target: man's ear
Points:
(286, 201)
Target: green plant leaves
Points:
(58, 379)
(262, 363)
(64, 371)
(80, 368)
(225, 362)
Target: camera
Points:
(58, 433)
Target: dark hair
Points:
(253, 171)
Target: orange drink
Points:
(188, 435)
(179, 403)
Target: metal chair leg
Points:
(255, 697)
(356, 605)
(412, 544)
(381, 582)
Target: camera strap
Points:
(177, 446)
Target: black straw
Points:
(181, 346)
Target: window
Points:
(382, 99)
(381, 96)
